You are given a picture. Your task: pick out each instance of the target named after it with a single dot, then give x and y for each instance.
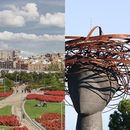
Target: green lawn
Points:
(5, 110)
(35, 112)
(4, 128)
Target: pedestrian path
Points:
(16, 101)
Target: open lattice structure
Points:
(111, 52)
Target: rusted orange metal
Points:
(102, 37)
(110, 51)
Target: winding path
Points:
(16, 101)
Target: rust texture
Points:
(111, 52)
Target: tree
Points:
(8, 83)
(120, 120)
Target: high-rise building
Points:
(8, 54)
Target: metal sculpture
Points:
(96, 68)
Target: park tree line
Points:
(51, 81)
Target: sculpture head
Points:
(91, 88)
(97, 66)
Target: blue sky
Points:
(82, 15)
(112, 16)
(32, 26)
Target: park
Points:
(30, 101)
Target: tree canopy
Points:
(120, 119)
(52, 81)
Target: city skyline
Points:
(12, 60)
(25, 56)
(34, 27)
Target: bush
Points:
(52, 121)
(9, 120)
(47, 98)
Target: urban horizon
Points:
(12, 59)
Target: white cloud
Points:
(8, 17)
(10, 36)
(16, 16)
(55, 19)
(19, 16)
(29, 11)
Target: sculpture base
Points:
(91, 122)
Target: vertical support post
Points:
(90, 122)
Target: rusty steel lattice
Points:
(111, 52)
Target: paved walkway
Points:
(15, 98)
(16, 101)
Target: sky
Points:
(80, 17)
(32, 26)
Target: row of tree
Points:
(34, 80)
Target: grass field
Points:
(35, 112)
(4, 128)
(5, 111)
